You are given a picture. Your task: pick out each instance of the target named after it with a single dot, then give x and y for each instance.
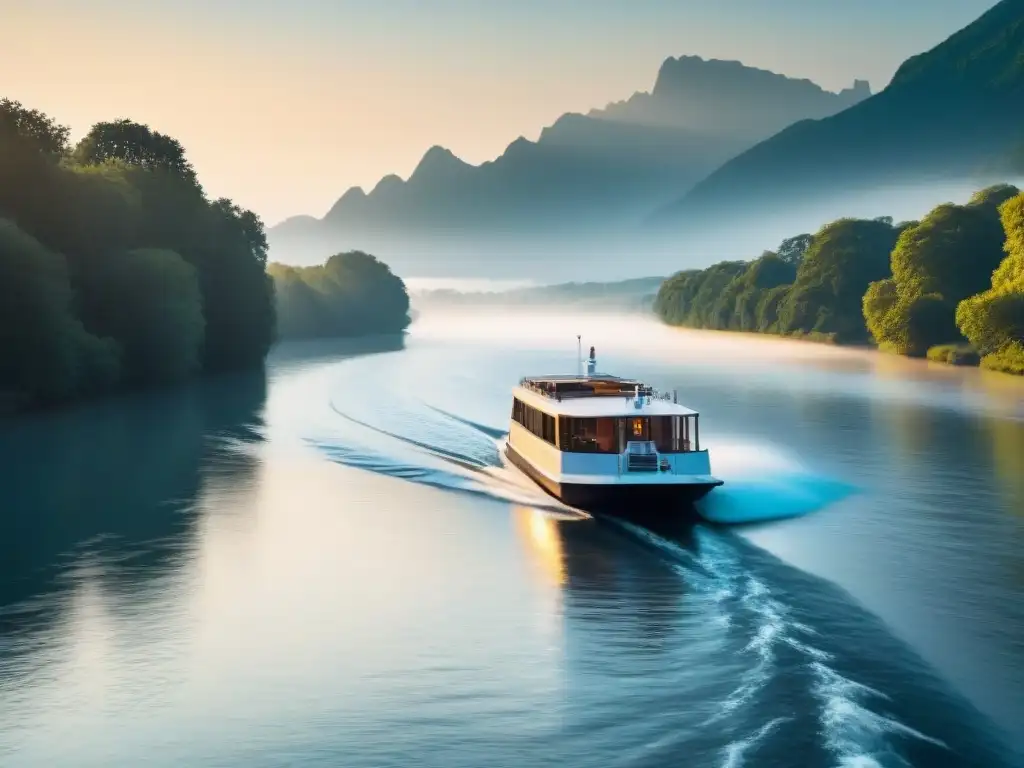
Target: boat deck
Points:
(594, 385)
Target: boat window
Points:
(592, 436)
(671, 434)
(539, 423)
(662, 434)
(639, 429)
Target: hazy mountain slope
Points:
(593, 172)
(951, 113)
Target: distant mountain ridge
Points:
(729, 92)
(950, 113)
(603, 170)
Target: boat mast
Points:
(579, 357)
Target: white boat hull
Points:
(611, 494)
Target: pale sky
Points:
(284, 104)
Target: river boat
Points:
(601, 443)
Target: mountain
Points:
(951, 114)
(596, 172)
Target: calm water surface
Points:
(329, 566)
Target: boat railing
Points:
(642, 392)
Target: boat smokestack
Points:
(592, 363)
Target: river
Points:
(327, 565)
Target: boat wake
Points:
(762, 484)
(406, 438)
(779, 649)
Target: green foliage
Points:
(768, 308)
(990, 198)
(231, 257)
(151, 304)
(793, 249)
(937, 263)
(879, 305)
(1009, 359)
(729, 295)
(32, 126)
(954, 354)
(952, 252)
(993, 320)
(127, 274)
(134, 144)
(351, 294)
(929, 317)
(47, 354)
(845, 257)
(1010, 274)
(695, 297)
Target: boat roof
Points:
(595, 395)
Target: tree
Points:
(993, 320)
(351, 294)
(1009, 276)
(879, 303)
(793, 249)
(675, 296)
(247, 226)
(946, 257)
(768, 308)
(135, 144)
(991, 198)
(152, 305)
(238, 297)
(844, 258)
(31, 125)
(951, 252)
(47, 354)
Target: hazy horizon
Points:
(283, 109)
(471, 262)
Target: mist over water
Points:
(345, 572)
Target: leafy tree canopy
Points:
(31, 125)
(135, 144)
(351, 294)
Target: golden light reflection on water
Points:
(540, 532)
(1008, 459)
(990, 391)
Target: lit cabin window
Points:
(638, 427)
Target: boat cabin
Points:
(603, 414)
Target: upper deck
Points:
(596, 395)
(594, 385)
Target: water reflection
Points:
(541, 533)
(1007, 448)
(102, 494)
(287, 357)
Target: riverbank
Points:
(911, 287)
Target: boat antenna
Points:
(579, 356)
